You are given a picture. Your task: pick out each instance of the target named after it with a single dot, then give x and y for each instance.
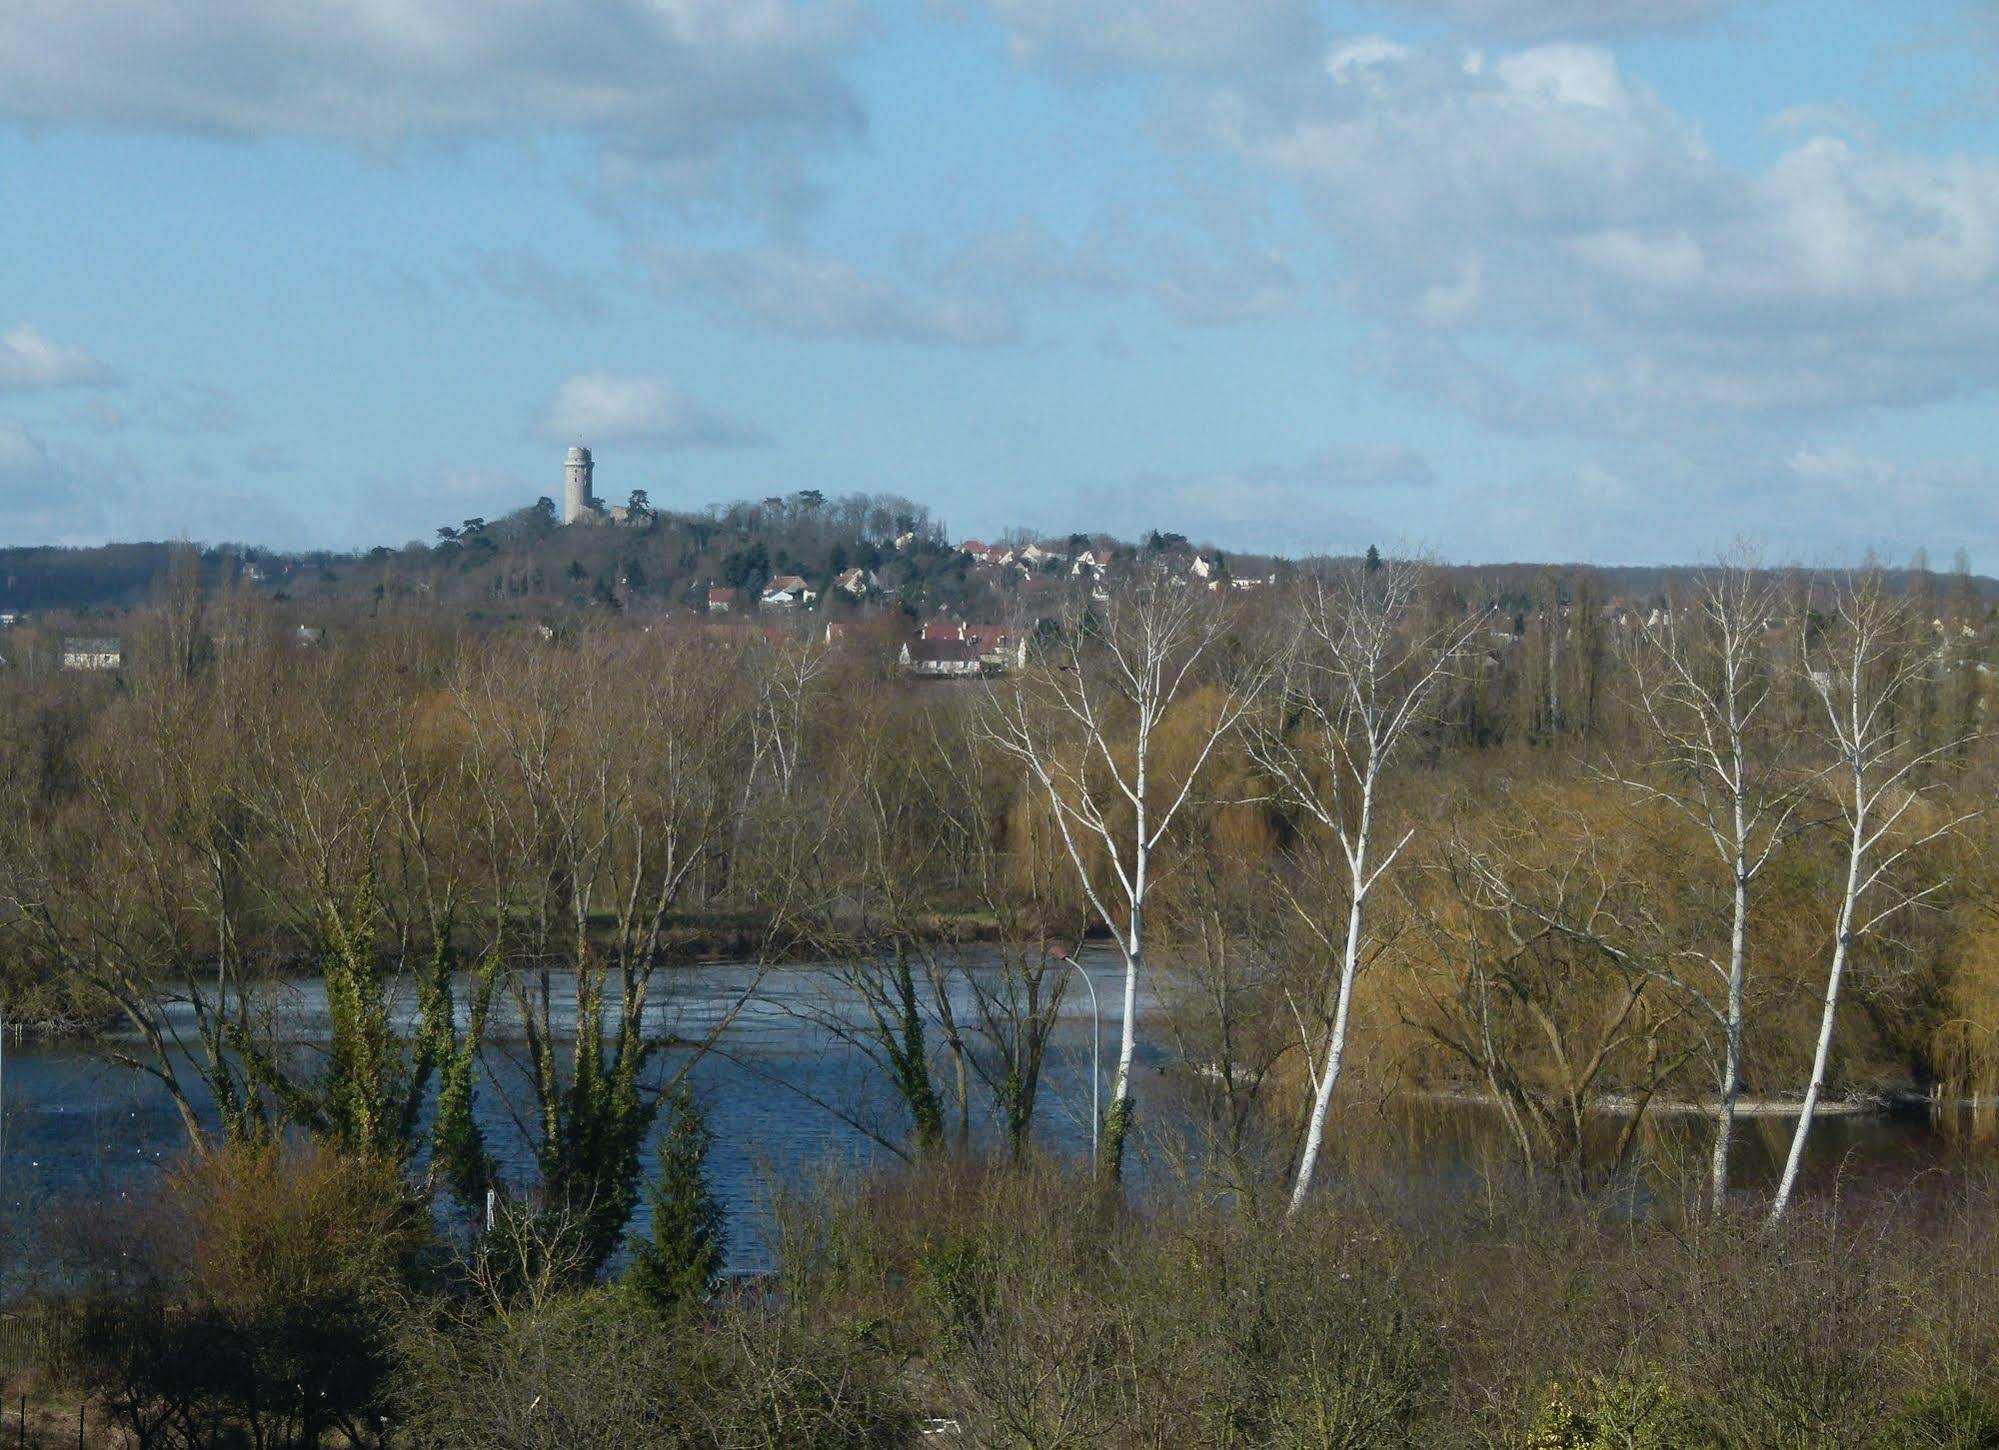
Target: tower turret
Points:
(577, 499)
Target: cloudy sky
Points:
(1607, 279)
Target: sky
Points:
(1623, 281)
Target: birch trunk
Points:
(1336, 1045)
(1842, 945)
(1731, 1071)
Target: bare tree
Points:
(1553, 987)
(1087, 720)
(605, 775)
(1358, 678)
(1704, 689)
(1864, 673)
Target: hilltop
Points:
(526, 564)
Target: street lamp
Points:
(1096, 1048)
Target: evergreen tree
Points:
(684, 1254)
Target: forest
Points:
(1647, 889)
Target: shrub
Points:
(679, 1261)
(270, 1280)
(1944, 1417)
(1601, 1412)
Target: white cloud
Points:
(801, 294)
(596, 408)
(1545, 244)
(676, 89)
(28, 360)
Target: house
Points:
(996, 646)
(941, 658)
(8, 619)
(1039, 558)
(786, 591)
(1203, 567)
(106, 653)
(992, 555)
(999, 648)
(857, 582)
(721, 601)
(1091, 561)
(904, 540)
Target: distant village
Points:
(870, 571)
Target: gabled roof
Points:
(989, 636)
(943, 651)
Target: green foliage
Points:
(958, 1277)
(368, 1077)
(1602, 1412)
(458, 1147)
(679, 1261)
(1117, 1128)
(1952, 1416)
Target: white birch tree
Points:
(1360, 671)
(1704, 687)
(1085, 720)
(1864, 673)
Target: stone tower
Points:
(577, 500)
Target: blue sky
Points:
(1618, 280)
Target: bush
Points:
(679, 1261)
(1608, 1413)
(263, 1307)
(1944, 1417)
(595, 1368)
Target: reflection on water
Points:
(785, 1095)
(78, 1126)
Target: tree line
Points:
(1589, 869)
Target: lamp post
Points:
(1096, 1047)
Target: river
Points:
(785, 1097)
(784, 1094)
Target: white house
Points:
(941, 658)
(105, 653)
(787, 591)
